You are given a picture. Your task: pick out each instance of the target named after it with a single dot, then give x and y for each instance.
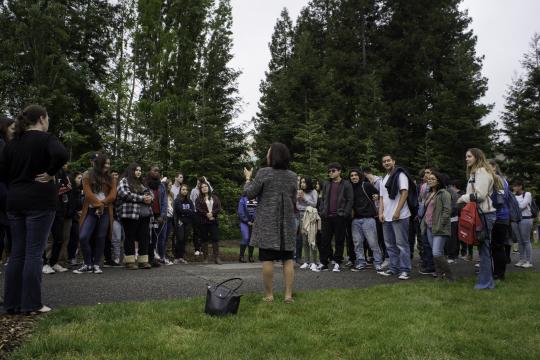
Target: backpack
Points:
(513, 208)
(469, 224)
(534, 208)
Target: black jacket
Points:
(363, 205)
(392, 185)
(344, 202)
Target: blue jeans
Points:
(485, 276)
(22, 288)
(437, 243)
(522, 233)
(245, 231)
(92, 254)
(396, 238)
(365, 228)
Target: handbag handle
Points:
(231, 279)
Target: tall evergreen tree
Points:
(57, 53)
(521, 120)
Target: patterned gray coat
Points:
(274, 226)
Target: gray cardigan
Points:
(274, 226)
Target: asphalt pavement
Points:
(185, 281)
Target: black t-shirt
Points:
(363, 206)
(34, 153)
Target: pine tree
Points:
(521, 120)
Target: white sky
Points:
(504, 29)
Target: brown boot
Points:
(443, 269)
(215, 253)
(129, 262)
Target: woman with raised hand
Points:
(28, 164)
(134, 211)
(435, 223)
(99, 189)
(479, 189)
(208, 207)
(274, 229)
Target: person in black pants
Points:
(28, 165)
(7, 130)
(335, 209)
(184, 213)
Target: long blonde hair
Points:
(481, 162)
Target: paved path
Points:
(184, 281)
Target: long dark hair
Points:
(29, 116)
(209, 189)
(309, 184)
(100, 180)
(441, 180)
(135, 184)
(280, 156)
(5, 123)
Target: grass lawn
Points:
(413, 320)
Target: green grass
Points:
(414, 320)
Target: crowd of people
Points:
(108, 219)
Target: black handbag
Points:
(221, 300)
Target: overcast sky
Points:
(504, 29)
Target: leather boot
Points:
(443, 269)
(204, 249)
(215, 253)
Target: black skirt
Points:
(273, 255)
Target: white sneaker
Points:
(336, 268)
(97, 270)
(403, 276)
(385, 264)
(59, 268)
(197, 253)
(47, 269)
(304, 266)
(316, 268)
(167, 262)
(477, 265)
(527, 265)
(451, 261)
(520, 263)
(313, 266)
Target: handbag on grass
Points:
(221, 300)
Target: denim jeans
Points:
(436, 242)
(92, 254)
(298, 243)
(522, 233)
(396, 238)
(365, 229)
(22, 287)
(427, 254)
(485, 276)
(245, 231)
(117, 236)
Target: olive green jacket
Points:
(441, 214)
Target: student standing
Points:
(246, 212)
(479, 189)
(522, 230)
(97, 214)
(28, 165)
(208, 207)
(184, 214)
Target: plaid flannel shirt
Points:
(129, 203)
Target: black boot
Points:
(215, 253)
(250, 252)
(242, 252)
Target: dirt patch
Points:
(14, 329)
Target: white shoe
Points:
(167, 262)
(477, 265)
(197, 253)
(47, 269)
(527, 265)
(520, 263)
(97, 270)
(336, 268)
(451, 261)
(315, 267)
(59, 268)
(385, 263)
(403, 276)
(304, 266)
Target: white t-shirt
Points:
(390, 205)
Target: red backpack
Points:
(469, 224)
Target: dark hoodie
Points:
(392, 185)
(363, 205)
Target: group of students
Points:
(378, 219)
(381, 219)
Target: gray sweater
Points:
(274, 226)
